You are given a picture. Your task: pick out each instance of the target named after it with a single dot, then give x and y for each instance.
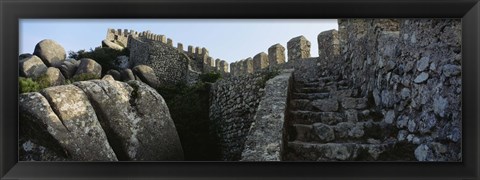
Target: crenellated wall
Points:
(200, 61)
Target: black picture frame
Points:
(12, 11)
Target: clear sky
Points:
(227, 39)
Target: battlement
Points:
(201, 61)
(298, 48)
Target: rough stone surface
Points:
(265, 137)
(328, 45)
(326, 105)
(298, 48)
(54, 77)
(51, 53)
(32, 67)
(115, 74)
(109, 44)
(69, 68)
(135, 118)
(24, 55)
(146, 75)
(422, 84)
(324, 132)
(170, 66)
(276, 55)
(88, 140)
(260, 61)
(233, 105)
(122, 62)
(127, 75)
(89, 67)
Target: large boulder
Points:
(147, 75)
(89, 67)
(115, 74)
(109, 44)
(69, 68)
(51, 53)
(32, 67)
(64, 121)
(24, 55)
(136, 118)
(54, 77)
(127, 75)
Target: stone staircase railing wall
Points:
(265, 139)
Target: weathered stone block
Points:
(248, 66)
(276, 55)
(298, 48)
(260, 61)
(328, 45)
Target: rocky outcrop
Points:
(66, 124)
(32, 67)
(98, 120)
(146, 75)
(51, 53)
(135, 118)
(89, 67)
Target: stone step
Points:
(340, 132)
(354, 103)
(311, 96)
(304, 151)
(310, 117)
(318, 105)
(301, 104)
(314, 89)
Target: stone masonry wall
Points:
(265, 139)
(170, 65)
(233, 104)
(411, 68)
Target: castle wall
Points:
(170, 66)
(411, 68)
(233, 104)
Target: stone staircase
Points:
(329, 121)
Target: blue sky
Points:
(230, 40)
